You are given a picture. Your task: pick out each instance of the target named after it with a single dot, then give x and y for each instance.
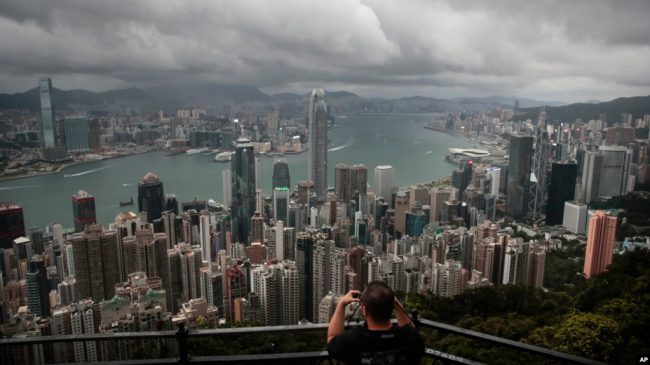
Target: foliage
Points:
(604, 318)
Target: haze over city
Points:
(549, 50)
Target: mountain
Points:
(508, 101)
(174, 96)
(638, 106)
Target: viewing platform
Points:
(190, 347)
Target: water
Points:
(416, 153)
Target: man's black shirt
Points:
(398, 345)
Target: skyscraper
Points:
(242, 168)
(560, 190)
(384, 181)
(614, 171)
(47, 113)
(317, 161)
(83, 210)
(95, 262)
(77, 131)
(521, 152)
(575, 217)
(600, 243)
(350, 179)
(151, 196)
(12, 223)
(591, 169)
(281, 204)
(462, 176)
(281, 177)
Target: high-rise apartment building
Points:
(185, 273)
(95, 262)
(600, 243)
(560, 190)
(83, 210)
(384, 181)
(519, 168)
(328, 271)
(317, 159)
(348, 180)
(151, 196)
(437, 199)
(277, 288)
(77, 129)
(243, 189)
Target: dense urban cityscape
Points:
(520, 220)
(283, 258)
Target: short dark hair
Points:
(378, 298)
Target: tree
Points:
(588, 335)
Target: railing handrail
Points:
(170, 334)
(508, 343)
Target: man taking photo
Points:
(378, 342)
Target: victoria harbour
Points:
(372, 139)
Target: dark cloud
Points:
(546, 49)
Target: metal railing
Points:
(182, 335)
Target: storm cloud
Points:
(552, 50)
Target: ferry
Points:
(128, 202)
(196, 151)
(223, 156)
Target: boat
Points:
(196, 151)
(223, 156)
(128, 202)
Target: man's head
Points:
(378, 299)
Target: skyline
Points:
(548, 51)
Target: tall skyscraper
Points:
(521, 152)
(242, 168)
(600, 243)
(305, 262)
(12, 223)
(151, 196)
(317, 160)
(77, 130)
(281, 204)
(560, 190)
(277, 288)
(591, 170)
(462, 176)
(95, 262)
(281, 177)
(47, 113)
(614, 171)
(384, 181)
(83, 210)
(328, 271)
(350, 179)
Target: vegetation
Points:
(605, 318)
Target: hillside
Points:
(637, 105)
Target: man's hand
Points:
(337, 325)
(352, 296)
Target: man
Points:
(379, 341)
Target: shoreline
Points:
(71, 164)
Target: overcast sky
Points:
(550, 50)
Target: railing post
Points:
(181, 338)
(414, 317)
